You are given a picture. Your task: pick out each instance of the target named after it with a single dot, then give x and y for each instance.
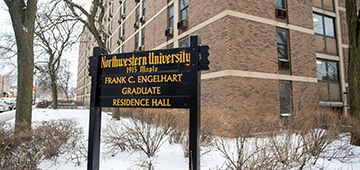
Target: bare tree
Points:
(54, 37)
(64, 80)
(22, 13)
(94, 22)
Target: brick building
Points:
(275, 56)
(4, 86)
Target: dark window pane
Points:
(171, 12)
(171, 17)
(184, 14)
(171, 22)
(282, 51)
(124, 10)
(281, 37)
(318, 24)
(136, 41)
(143, 37)
(280, 4)
(285, 98)
(144, 8)
(184, 9)
(123, 30)
(321, 70)
(332, 71)
(184, 43)
(137, 14)
(183, 4)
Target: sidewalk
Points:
(8, 115)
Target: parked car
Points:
(4, 106)
(11, 102)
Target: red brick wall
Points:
(302, 53)
(300, 13)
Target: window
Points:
(170, 45)
(143, 37)
(282, 44)
(109, 45)
(283, 51)
(184, 42)
(136, 41)
(184, 9)
(325, 40)
(110, 27)
(123, 49)
(324, 4)
(122, 10)
(137, 15)
(328, 80)
(143, 8)
(124, 7)
(285, 97)
(171, 17)
(123, 30)
(120, 29)
(280, 4)
(111, 10)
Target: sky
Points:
(6, 27)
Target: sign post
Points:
(194, 117)
(167, 78)
(95, 111)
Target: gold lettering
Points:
(160, 102)
(130, 79)
(105, 63)
(187, 59)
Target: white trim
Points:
(327, 57)
(325, 12)
(238, 15)
(260, 75)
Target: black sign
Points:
(168, 78)
(150, 79)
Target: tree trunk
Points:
(23, 18)
(115, 113)
(354, 62)
(54, 91)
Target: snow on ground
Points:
(170, 156)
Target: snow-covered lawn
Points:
(170, 156)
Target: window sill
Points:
(331, 103)
(285, 114)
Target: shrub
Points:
(137, 135)
(298, 141)
(29, 147)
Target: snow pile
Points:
(170, 156)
